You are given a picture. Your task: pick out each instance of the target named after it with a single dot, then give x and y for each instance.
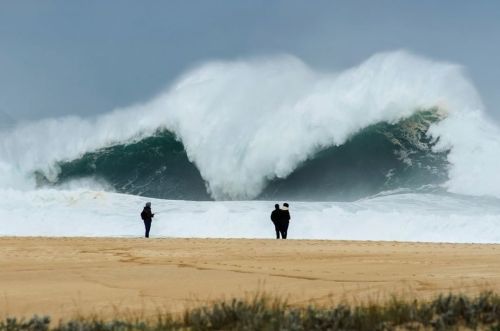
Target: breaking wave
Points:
(380, 157)
(273, 127)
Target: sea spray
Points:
(401, 217)
(378, 158)
(248, 122)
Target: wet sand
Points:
(64, 277)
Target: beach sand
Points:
(66, 277)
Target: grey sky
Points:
(88, 57)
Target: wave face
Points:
(380, 157)
(270, 127)
(156, 166)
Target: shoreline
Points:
(131, 237)
(68, 276)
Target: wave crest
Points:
(380, 157)
(246, 123)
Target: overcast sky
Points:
(88, 57)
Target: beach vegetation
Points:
(444, 312)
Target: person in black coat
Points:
(275, 218)
(147, 217)
(284, 220)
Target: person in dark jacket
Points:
(284, 220)
(147, 217)
(275, 218)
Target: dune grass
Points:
(445, 312)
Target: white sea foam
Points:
(248, 121)
(402, 217)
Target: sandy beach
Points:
(64, 277)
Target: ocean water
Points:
(401, 217)
(397, 148)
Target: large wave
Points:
(242, 127)
(380, 157)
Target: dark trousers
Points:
(284, 230)
(277, 229)
(147, 225)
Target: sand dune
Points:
(63, 277)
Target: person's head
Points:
(285, 205)
(276, 206)
(148, 204)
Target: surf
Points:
(245, 124)
(378, 158)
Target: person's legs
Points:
(277, 231)
(147, 224)
(284, 231)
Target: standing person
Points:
(275, 218)
(147, 217)
(284, 220)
